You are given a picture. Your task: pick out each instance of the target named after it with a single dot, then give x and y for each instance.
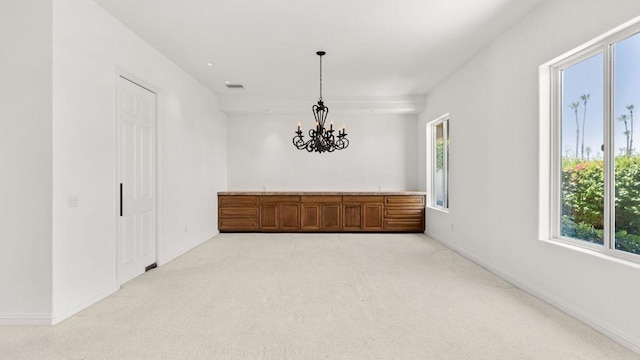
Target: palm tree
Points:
(567, 152)
(588, 150)
(584, 98)
(624, 119)
(574, 106)
(630, 108)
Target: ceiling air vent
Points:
(235, 86)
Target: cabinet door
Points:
(269, 216)
(289, 216)
(330, 217)
(372, 217)
(310, 219)
(351, 216)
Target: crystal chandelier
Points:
(321, 139)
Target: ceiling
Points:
(378, 51)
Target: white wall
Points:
(89, 46)
(493, 101)
(25, 161)
(382, 152)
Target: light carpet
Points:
(316, 296)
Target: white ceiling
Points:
(376, 49)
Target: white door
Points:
(136, 178)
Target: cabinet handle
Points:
(120, 199)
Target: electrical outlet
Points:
(451, 227)
(73, 201)
(186, 228)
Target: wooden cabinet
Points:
(404, 213)
(238, 213)
(331, 217)
(321, 213)
(290, 216)
(269, 216)
(310, 216)
(352, 218)
(362, 213)
(279, 213)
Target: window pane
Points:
(439, 178)
(446, 164)
(582, 173)
(627, 162)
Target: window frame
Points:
(431, 163)
(553, 70)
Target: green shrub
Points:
(583, 201)
(628, 194)
(628, 242)
(582, 231)
(583, 191)
(624, 241)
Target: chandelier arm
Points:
(309, 145)
(298, 142)
(326, 114)
(342, 143)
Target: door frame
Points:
(121, 73)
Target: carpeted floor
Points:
(315, 296)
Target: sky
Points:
(587, 77)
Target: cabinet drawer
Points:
(322, 199)
(237, 200)
(405, 201)
(404, 213)
(238, 224)
(363, 199)
(238, 212)
(404, 225)
(278, 198)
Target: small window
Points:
(595, 166)
(438, 163)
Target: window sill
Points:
(601, 254)
(442, 210)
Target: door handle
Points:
(120, 199)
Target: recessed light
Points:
(209, 63)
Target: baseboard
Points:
(544, 296)
(58, 317)
(7, 319)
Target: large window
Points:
(438, 167)
(595, 164)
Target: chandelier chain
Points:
(320, 78)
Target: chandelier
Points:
(321, 139)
